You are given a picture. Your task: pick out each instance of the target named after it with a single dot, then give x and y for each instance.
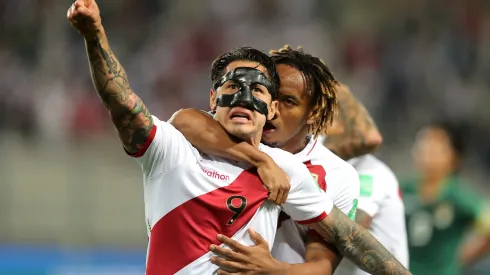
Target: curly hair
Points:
(320, 84)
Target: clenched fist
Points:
(84, 16)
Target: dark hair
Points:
(320, 83)
(455, 133)
(246, 54)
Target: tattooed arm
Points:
(357, 244)
(129, 115)
(353, 132)
(363, 218)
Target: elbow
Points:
(180, 119)
(373, 140)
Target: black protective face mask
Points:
(245, 78)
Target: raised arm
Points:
(128, 113)
(353, 132)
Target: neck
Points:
(254, 141)
(297, 143)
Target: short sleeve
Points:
(306, 203)
(346, 181)
(165, 149)
(371, 193)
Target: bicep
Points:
(133, 123)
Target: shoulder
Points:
(339, 174)
(292, 166)
(372, 166)
(287, 161)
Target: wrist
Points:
(261, 159)
(96, 34)
(283, 269)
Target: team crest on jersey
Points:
(315, 177)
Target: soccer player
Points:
(306, 107)
(190, 196)
(440, 208)
(380, 208)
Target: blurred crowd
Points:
(409, 61)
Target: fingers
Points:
(222, 263)
(87, 3)
(228, 253)
(257, 238)
(273, 195)
(280, 196)
(222, 272)
(236, 246)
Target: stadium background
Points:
(72, 203)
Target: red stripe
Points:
(312, 147)
(185, 233)
(314, 220)
(320, 172)
(147, 143)
(400, 194)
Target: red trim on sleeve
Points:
(147, 143)
(314, 220)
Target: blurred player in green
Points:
(439, 207)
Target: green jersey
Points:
(435, 230)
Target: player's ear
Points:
(212, 99)
(314, 114)
(272, 109)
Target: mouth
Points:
(269, 128)
(240, 115)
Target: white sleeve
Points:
(346, 181)
(372, 193)
(306, 202)
(165, 149)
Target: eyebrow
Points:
(289, 96)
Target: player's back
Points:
(191, 197)
(333, 175)
(381, 199)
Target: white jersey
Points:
(381, 199)
(191, 197)
(341, 183)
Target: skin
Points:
(353, 241)
(248, 130)
(133, 123)
(129, 115)
(436, 160)
(353, 132)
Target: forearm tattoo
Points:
(129, 115)
(358, 245)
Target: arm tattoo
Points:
(358, 245)
(357, 125)
(363, 219)
(130, 116)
